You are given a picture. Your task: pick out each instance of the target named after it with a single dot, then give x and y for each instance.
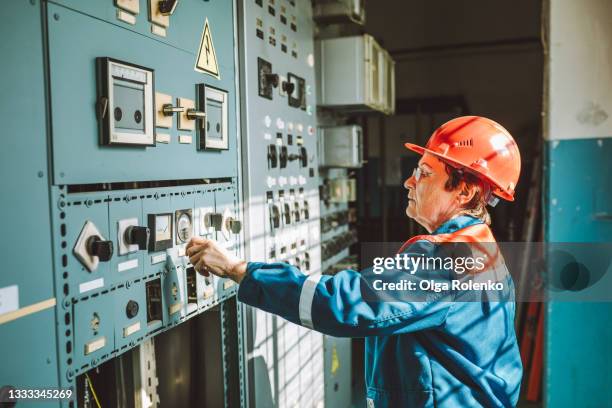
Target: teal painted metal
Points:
(28, 358)
(44, 168)
(579, 209)
(77, 39)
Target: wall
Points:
(578, 178)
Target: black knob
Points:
(303, 156)
(288, 87)
(293, 157)
(296, 212)
(234, 225)
(275, 217)
(214, 220)
(167, 7)
(131, 309)
(137, 235)
(102, 249)
(273, 79)
(287, 214)
(272, 156)
(283, 157)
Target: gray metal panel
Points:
(341, 63)
(338, 372)
(286, 361)
(73, 91)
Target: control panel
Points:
(281, 180)
(130, 107)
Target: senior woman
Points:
(426, 353)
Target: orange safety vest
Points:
(474, 234)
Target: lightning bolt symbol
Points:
(207, 48)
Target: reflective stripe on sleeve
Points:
(306, 298)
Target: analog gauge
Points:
(162, 227)
(184, 226)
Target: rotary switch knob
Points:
(102, 249)
(288, 87)
(275, 217)
(136, 235)
(303, 156)
(234, 225)
(273, 79)
(214, 220)
(131, 309)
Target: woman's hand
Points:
(207, 256)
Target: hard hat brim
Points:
(497, 190)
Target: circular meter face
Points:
(183, 227)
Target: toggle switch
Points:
(131, 309)
(137, 235)
(96, 246)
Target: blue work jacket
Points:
(417, 354)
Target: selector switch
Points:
(288, 87)
(275, 216)
(283, 157)
(303, 157)
(131, 309)
(287, 213)
(137, 235)
(233, 225)
(100, 248)
(273, 80)
(272, 156)
(214, 220)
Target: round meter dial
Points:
(184, 227)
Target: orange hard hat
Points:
(480, 146)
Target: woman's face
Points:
(429, 203)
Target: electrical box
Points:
(141, 102)
(338, 11)
(355, 74)
(279, 135)
(341, 146)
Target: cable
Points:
(93, 391)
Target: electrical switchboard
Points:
(129, 147)
(281, 188)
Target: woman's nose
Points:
(410, 182)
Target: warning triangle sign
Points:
(207, 57)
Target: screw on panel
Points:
(61, 204)
(66, 303)
(40, 174)
(88, 203)
(70, 375)
(127, 285)
(33, 2)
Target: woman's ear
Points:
(466, 193)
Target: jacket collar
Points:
(456, 223)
